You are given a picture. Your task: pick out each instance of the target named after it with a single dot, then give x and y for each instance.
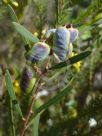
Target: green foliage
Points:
(11, 93)
(12, 14)
(55, 99)
(25, 33)
(35, 125)
(71, 60)
(69, 92)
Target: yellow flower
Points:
(17, 88)
(43, 31)
(76, 65)
(72, 112)
(36, 34)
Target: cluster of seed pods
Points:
(27, 80)
(63, 37)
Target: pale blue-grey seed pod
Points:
(73, 34)
(38, 52)
(61, 42)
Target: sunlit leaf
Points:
(85, 28)
(25, 33)
(35, 123)
(12, 14)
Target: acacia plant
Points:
(38, 51)
(48, 55)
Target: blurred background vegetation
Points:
(72, 116)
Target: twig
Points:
(12, 118)
(29, 113)
(30, 108)
(57, 11)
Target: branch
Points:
(30, 108)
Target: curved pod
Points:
(73, 34)
(61, 42)
(38, 52)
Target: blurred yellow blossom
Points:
(43, 31)
(17, 88)
(78, 64)
(36, 34)
(72, 112)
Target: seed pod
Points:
(27, 80)
(38, 52)
(61, 42)
(73, 34)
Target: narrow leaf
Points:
(10, 86)
(71, 60)
(35, 123)
(15, 19)
(25, 33)
(12, 93)
(12, 14)
(56, 98)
